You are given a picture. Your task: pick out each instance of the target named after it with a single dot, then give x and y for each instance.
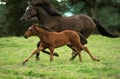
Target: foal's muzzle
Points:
(25, 36)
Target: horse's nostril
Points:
(22, 19)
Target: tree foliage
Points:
(15, 9)
(106, 11)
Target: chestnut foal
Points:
(53, 40)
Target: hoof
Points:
(96, 59)
(23, 63)
(56, 54)
(37, 59)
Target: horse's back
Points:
(81, 22)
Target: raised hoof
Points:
(56, 54)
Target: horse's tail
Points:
(103, 31)
(83, 39)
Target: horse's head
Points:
(29, 13)
(31, 31)
(47, 6)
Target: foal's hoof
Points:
(96, 59)
(23, 63)
(37, 59)
(56, 54)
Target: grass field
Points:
(13, 50)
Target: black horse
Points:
(49, 17)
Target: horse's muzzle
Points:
(22, 20)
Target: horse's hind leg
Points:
(37, 54)
(73, 53)
(78, 52)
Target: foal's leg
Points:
(83, 40)
(73, 51)
(37, 54)
(78, 52)
(79, 55)
(51, 53)
(34, 52)
(86, 49)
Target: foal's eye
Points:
(30, 10)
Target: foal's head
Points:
(31, 31)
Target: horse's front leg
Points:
(37, 54)
(34, 52)
(78, 52)
(46, 52)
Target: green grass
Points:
(13, 50)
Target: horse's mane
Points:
(45, 28)
(47, 7)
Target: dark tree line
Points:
(106, 11)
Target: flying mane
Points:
(47, 7)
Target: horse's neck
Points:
(42, 34)
(44, 17)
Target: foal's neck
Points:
(42, 33)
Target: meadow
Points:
(13, 50)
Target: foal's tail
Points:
(103, 31)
